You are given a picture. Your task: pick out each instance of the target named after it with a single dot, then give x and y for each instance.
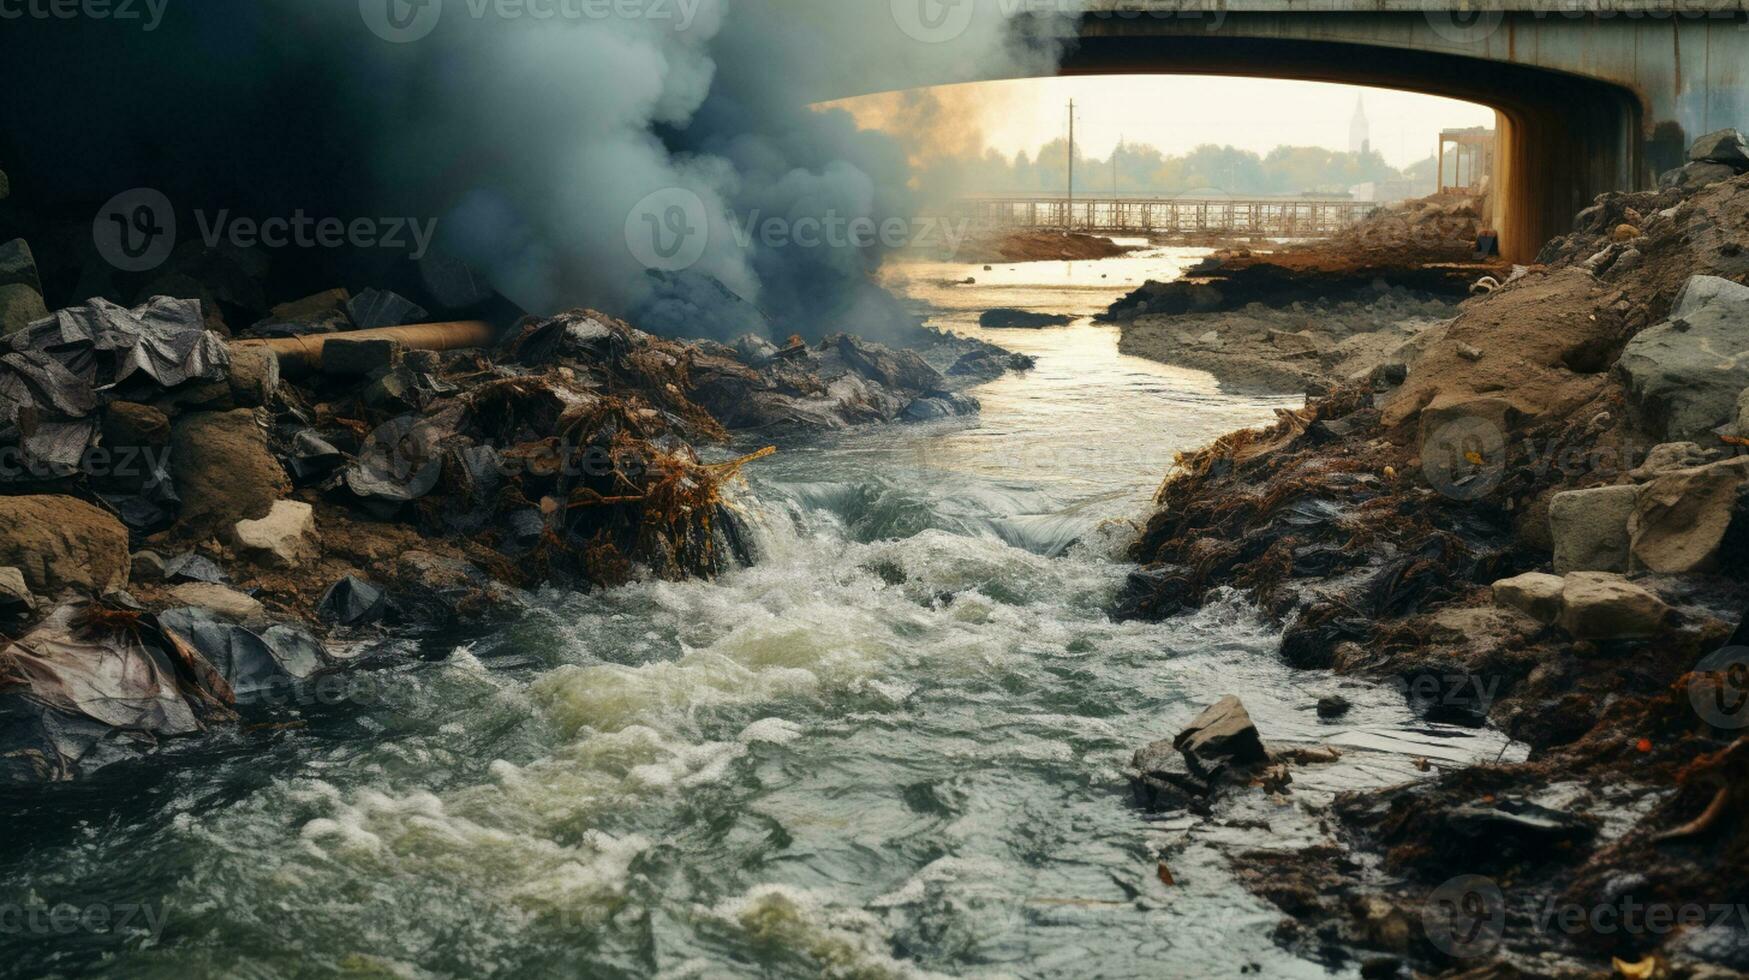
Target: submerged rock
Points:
(1221, 736)
(1022, 319)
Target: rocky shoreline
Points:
(192, 540)
(1534, 517)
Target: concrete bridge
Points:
(1591, 95)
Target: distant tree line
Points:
(1209, 168)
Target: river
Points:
(893, 747)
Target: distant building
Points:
(1359, 130)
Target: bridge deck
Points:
(1274, 218)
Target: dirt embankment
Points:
(1039, 246)
(1309, 317)
(1542, 525)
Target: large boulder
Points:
(1679, 520)
(1724, 146)
(1695, 175)
(224, 472)
(1605, 606)
(1684, 375)
(63, 543)
(1590, 528)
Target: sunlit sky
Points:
(1178, 112)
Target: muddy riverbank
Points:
(1535, 525)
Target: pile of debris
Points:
(1551, 499)
(186, 522)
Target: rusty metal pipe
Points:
(302, 354)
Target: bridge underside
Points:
(1563, 138)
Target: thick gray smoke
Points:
(662, 161)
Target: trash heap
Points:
(184, 530)
(1550, 502)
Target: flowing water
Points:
(891, 748)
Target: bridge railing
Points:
(1263, 217)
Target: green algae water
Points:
(892, 748)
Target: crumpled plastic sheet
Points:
(106, 345)
(57, 372)
(254, 664)
(63, 689)
(352, 602)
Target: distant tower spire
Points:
(1359, 131)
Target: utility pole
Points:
(1069, 210)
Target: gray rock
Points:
(1162, 781)
(1670, 456)
(18, 266)
(1743, 414)
(20, 305)
(1684, 376)
(1605, 606)
(940, 405)
(1590, 528)
(1721, 146)
(5, 186)
(375, 308)
(1333, 706)
(1538, 594)
(1680, 518)
(1221, 736)
(1696, 175)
